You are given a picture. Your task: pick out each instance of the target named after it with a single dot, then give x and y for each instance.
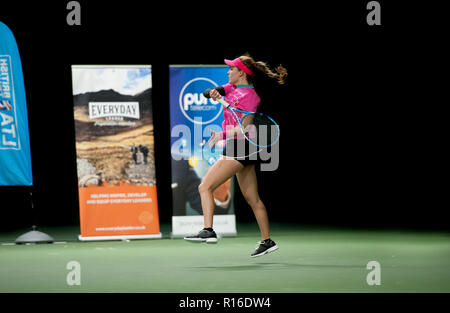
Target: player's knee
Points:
(204, 187)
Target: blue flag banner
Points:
(15, 156)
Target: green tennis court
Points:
(310, 259)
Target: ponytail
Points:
(260, 67)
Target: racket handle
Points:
(223, 102)
(220, 89)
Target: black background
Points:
(352, 151)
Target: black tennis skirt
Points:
(245, 152)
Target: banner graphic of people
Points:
(192, 116)
(115, 152)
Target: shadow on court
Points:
(273, 266)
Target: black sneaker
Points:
(203, 236)
(264, 247)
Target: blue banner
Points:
(15, 156)
(192, 116)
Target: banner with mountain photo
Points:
(192, 116)
(115, 152)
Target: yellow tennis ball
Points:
(193, 161)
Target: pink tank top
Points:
(243, 97)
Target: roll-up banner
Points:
(191, 117)
(15, 155)
(115, 152)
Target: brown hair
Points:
(258, 67)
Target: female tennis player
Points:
(241, 94)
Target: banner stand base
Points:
(34, 236)
(122, 237)
(224, 225)
(221, 235)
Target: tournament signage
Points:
(192, 116)
(15, 156)
(115, 152)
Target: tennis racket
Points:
(265, 132)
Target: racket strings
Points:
(264, 130)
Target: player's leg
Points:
(249, 188)
(220, 172)
(217, 174)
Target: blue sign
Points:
(15, 156)
(192, 116)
